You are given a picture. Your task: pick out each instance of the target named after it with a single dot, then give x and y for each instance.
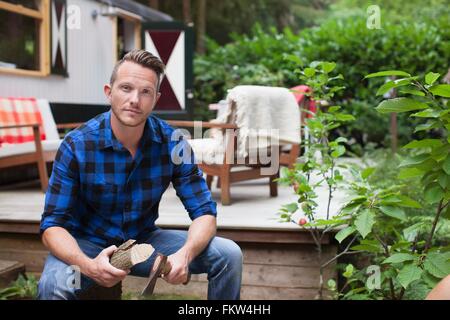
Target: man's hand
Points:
(179, 261)
(101, 271)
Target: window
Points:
(24, 37)
(128, 34)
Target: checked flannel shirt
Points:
(98, 192)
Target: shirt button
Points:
(127, 207)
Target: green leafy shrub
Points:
(25, 287)
(414, 47)
(396, 217)
(403, 247)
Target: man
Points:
(107, 181)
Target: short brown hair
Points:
(143, 58)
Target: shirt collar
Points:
(107, 138)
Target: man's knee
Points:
(58, 281)
(231, 252)
(235, 253)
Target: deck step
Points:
(9, 271)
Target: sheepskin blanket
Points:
(265, 116)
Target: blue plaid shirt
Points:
(98, 192)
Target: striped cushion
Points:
(19, 111)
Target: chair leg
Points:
(209, 180)
(43, 175)
(273, 185)
(225, 196)
(218, 182)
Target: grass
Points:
(137, 296)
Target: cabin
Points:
(64, 51)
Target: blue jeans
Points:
(221, 260)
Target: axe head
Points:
(160, 267)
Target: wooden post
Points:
(187, 12)
(154, 4)
(201, 25)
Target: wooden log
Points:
(129, 254)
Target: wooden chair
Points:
(248, 168)
(37, 151)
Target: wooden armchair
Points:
(233, 168)
(224, 171)
(37, 151)
(37, 156)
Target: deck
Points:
(279, 258)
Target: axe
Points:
(130, 253)
(160, 268)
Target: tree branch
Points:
(433, 228)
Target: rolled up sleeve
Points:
(191, 187)
(62, 189)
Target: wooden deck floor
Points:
(252, 208)
(279, 258)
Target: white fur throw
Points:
(265, 116)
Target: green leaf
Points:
(408, 274)
(430, 280)
(408, 202)
(338, 151)
(431, 77)
(437, 264)
(413, 92)
(341, 139)
(400, 105)
(446, 165)
(331, 284)
(385, 88)
(387, 73)
(334, 109)
(291, 207)
(394, 212)
(406, 173)
(446, 214)
(429, 113)
(345, 117)
(432, 124)
(364, 222)
(349, 269)
(293, 58)
(425, 143)
(393, 84)
(309, 72)
(327, 67)
(443, 179)
(344, 233)
(400, 257)
(415, 160)
(433, 193)
(367, 172)
(442, 90)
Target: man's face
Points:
(133, 94)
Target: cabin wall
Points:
(90, 62)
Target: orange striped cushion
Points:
(19, 111)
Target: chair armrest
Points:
(33, 125)
(69, 125)
(179, 123)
